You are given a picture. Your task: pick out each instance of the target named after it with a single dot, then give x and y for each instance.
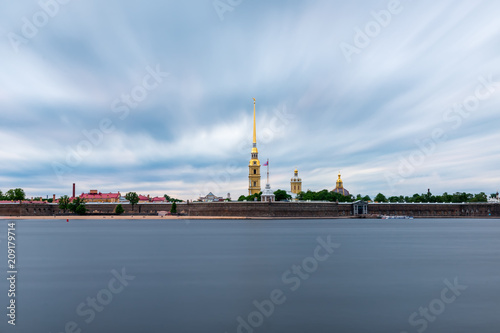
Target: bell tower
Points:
(254, 165)
(296, 183)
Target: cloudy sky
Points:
(156, 97)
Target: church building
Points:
(296, 183)
(339, 187)
(254, 165)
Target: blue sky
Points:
(156, 97)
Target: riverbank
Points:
(120, 217)
(173, 217)
(244, 210)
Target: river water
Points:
(429, 275)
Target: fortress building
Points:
(339, 187)
(296, 183)
(254, 165)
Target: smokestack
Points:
(74, 193)
(53, 198)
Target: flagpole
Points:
(268, 171)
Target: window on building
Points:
(254, 171)
(254, 184)
(254, 163)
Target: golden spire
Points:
(254, 130)
(254, 165)
(254, 147)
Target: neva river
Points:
(255, 276)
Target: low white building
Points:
(493, 199)
(267, 194)
(210, 197)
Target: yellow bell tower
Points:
(254, 165)
(296, 183)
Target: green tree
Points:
(380, 198)
(367, 198)
(133, 198)
(15, 194)
(480, 197)
(323, 195)
(171, 199)
(281, 195)
(417, 198)
(173, 208)
(75, 205)
(1, 196)
(119, 209)
(250, 197)
(446, 197)
(341, 198)
(393, 199)
(309, 195)
(64, 203)
(80, 209)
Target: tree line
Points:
(325, 195)
(428, 197)
(13, 195)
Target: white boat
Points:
(398, 217)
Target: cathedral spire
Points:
(254, 127)
(254, 165)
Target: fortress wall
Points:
(261, 209)
(345, 209)
(436, 210)
(10, 210)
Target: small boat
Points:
(396, 217)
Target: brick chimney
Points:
(74, 192)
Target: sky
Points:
(156, 97)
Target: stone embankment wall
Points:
(437, 210)
(261, 209)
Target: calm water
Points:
(201, 276)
